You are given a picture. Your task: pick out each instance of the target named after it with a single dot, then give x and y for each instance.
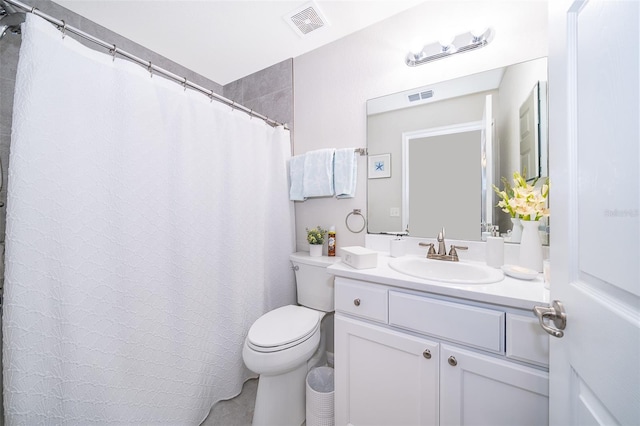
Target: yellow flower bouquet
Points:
(523, 200)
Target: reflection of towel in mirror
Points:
(296, 176)
(318, 173)
(345, 173)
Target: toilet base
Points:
(280, 400)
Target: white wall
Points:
(332, 83)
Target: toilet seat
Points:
(283, 328)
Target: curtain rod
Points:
(113, 50)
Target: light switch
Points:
(394, 212)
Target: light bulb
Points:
(446, 41)
(415, 49)
(480, 33)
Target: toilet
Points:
(284, 344)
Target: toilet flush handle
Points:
(295, 268)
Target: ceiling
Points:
(225, 40)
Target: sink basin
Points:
(449, 272)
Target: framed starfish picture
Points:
(379, 166)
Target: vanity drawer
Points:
(359, 299)
(469, 325)
(526, 340)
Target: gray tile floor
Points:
(237, 411)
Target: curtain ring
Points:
(64, 28)
(211, 96)
(251, 114)
(356, 212)
(33, 10)
(233, 105)
(150, 69)
(184, 84)
(113, 52)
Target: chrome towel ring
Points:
(356, 212)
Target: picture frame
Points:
(379, 166)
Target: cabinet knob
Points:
(453, 361)
(426, 354)
(356, 302)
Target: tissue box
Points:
(359, 257)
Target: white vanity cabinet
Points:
(408, 358)
(384, 377)
(483, 390)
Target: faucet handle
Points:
(453, 253)
(432, 250)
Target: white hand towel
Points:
(296, 176)
(345, 173)
(318, 173)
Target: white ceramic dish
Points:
(519, 272)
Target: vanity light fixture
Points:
(460, 43)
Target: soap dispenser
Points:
(495, 249)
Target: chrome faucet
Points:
(442, 249)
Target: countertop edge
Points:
(509, 292)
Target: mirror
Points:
(446, 144)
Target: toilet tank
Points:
(313, 282)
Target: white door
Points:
(595, 256)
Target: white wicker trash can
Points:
(320, 390)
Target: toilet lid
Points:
(283, 326)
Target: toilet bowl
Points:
(283, 344)
(282, 339)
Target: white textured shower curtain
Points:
(147, 229)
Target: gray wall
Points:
(446, 189)
(269, 91)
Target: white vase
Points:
(530, 246)
(516, 230)
(315, 250)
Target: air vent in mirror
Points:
(426, 95)
(420, 96)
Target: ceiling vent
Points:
(307, 19)
(420, 96)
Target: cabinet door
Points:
(526, 340)
(384, 377)
(477, 389)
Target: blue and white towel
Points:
(296, 177)
(318, 173)
(345, 173)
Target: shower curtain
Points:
(147, 228)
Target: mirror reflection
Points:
(448, 143)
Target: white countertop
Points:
(510, 292)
